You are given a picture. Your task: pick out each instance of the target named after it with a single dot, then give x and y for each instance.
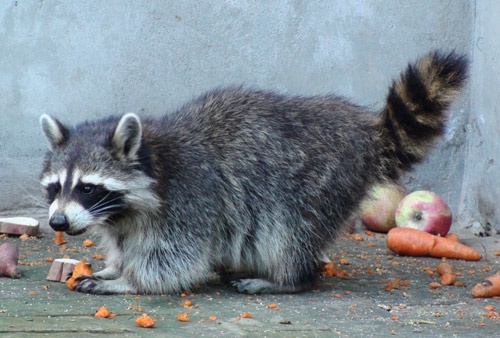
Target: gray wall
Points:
(479, 205)
(87, 59)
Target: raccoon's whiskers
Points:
(103, 205)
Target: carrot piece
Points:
(88, 243)
(81, 269)
(145, 321)
(490, 287)
(413, 242)
(59, 238)
(448, 279)
(183, 317)
(102, 312)
(443, 268)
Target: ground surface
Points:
(355, 305)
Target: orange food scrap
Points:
(81, 269)
(496, 252)
(49, 259)
(344, 261)
(369, 233)
(187, 303)
(492, 314)
(396, 283)
(329, 270)
(448, 279)
(32, 293)
(490, 287)
(97, 256)
(246, 315)
(102, 312)
(212, 318)
(59, 238)
(272, 306)
(358, 237)
(427, 270)
(183, 317)
(145, 321)
(88, 243)
(445, 270)
(434, 285)
(24, 237)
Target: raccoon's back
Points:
(272, 154)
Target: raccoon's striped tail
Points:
(416, 108)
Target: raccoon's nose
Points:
(58, 222)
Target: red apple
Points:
(378, 208)
(424, 210)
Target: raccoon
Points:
(238, 181)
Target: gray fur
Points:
(238, 181)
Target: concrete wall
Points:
(480, 201)
(86, 59)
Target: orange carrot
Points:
(59, 238)
(412, 242)
(452, 237)
(490, 287)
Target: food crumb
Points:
(183, 317)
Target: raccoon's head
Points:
(96, 172)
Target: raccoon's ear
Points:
(55, 132)
(127, 136)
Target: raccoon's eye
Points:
(87, 189)
(53, 189)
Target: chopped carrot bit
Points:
(59, 238)
(183, 317)
(88, 243)
(81, 269)
(145, 321)
(102, 312)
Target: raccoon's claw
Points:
(252, 286)
(86, 284)
(256, 285)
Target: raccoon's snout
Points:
(59, 222)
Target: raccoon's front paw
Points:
(90, 284)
